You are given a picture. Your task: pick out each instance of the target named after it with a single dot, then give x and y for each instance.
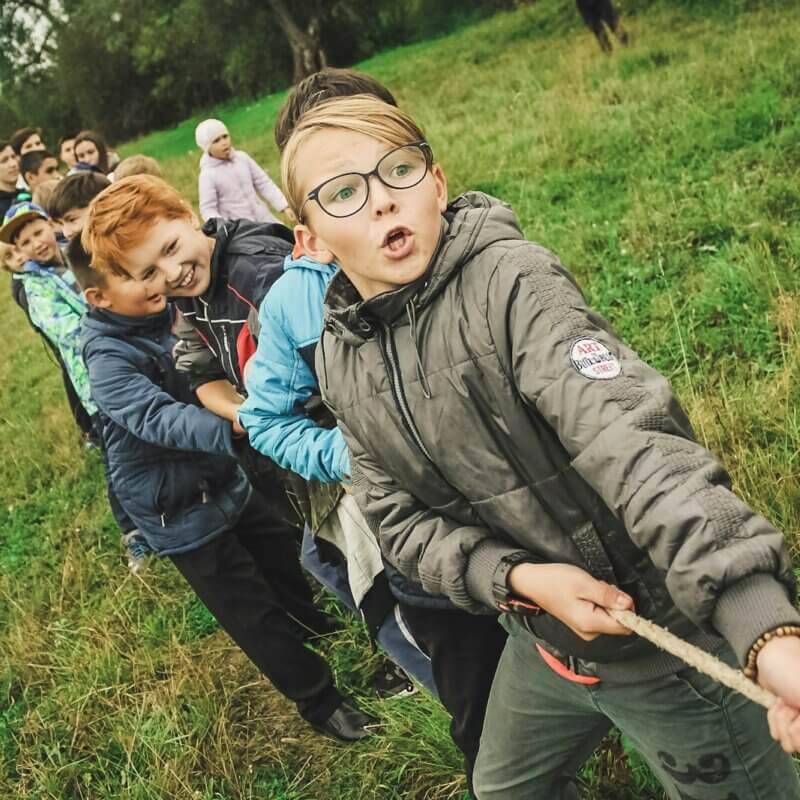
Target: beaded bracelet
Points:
(751, 667)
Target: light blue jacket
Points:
(280, 381)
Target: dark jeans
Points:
(464, 650)
(250, 580)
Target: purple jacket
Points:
(229, 188)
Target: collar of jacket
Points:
(36, 268)
(221, 231)
(471, 223)
(228, 241)
(151, 325)
(305, 262)
(209, 161)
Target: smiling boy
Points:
(142, 229)
(505, 468)
(54, 303)
(217, 275)
(175, 470)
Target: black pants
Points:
(79, 413)
(595, 14)
(464, 650)
(250, 580)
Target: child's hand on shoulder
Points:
(779, 671)
(571, 595)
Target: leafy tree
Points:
(128, 66)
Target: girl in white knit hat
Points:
(230, 181)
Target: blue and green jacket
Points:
(55, 306)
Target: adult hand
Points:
(238, 430)
(778, 666)
(572, 596)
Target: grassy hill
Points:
(665, 176)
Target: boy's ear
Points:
(440, 180)
(312, 245)
(95, 297)
(26, 176)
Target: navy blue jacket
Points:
(171, 462)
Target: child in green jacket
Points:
(55, 303)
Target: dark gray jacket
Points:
(493, 413)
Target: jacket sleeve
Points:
(60, 322)
(207, 192)
(426, 547)
(194, 356)
(725, 566)
(127, 396)
(265, 186)
(278, 383)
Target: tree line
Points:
(129, 66)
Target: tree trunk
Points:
(307, 52)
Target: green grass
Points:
(664, 176)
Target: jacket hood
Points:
(99, 322)
(236, 236)
(304, 262)
(471, 223)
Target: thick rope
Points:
(694, 657)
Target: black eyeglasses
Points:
(347, 194)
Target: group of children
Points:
(417, 404)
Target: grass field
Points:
(665, 176)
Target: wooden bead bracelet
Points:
(751, 667)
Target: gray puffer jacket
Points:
(493, 414)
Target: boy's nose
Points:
(382, 200)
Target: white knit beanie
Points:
(207, 131)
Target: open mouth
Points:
(398, 242)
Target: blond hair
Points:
(136, 165)
(359, 113)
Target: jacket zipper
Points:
(228, 351)
(395, 378)
(222, 349)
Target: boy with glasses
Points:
(286, 422)
(519, 456)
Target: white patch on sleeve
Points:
(594, 360)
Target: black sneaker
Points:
(348, 724)
(390, 682)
